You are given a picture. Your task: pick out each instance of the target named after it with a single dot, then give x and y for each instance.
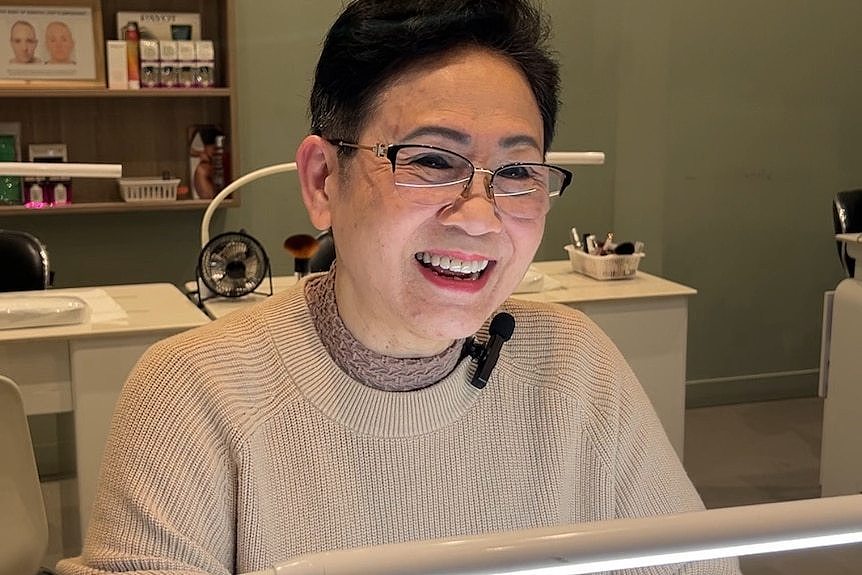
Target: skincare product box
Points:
(150, 51)
(150, 65)
(10, 151)
(168, 63)
(186, 58)
(118, 70)
(204, 64)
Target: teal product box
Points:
(10, 186)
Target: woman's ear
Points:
(316, 160)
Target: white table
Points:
(81, 368)
(840, 462)
(646, 317)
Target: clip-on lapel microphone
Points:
(500, 331)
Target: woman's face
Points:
(472, 102)
(59, 41)
(23, 41)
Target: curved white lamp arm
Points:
(604, 545)
(232, 187)
(565, 158)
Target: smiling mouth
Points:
(452, 267)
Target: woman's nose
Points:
(475, 210)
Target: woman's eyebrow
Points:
(463, 138)
(519, 140)
(448, 133)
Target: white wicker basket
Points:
(609, 267)
(148, 189)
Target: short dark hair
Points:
(374, 40)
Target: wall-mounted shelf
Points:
(112, 207)
(146, 131)
(104, 93)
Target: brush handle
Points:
(300, 266)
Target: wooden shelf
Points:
(113, 207)
(105, 93)
(146, 131)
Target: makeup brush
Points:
(302, 247)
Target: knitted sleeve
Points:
(650, 479)
(167, 491)
(640, 471)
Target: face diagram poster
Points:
(47, 43)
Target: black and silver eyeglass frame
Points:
(522, 189)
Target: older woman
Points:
(347, 411)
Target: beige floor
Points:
(736, 455)
(760, 453)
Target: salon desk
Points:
(646, 317)
(81, 368)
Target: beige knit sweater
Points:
(241, 444)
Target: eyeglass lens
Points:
(434, 176)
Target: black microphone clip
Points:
(500, 330)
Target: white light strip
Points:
(575, 158)
(605, 545)
(648, 560)
(60, 170)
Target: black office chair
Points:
(322, 259)
(23, 262)
(847, 217)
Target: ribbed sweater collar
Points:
(362, 364)
(349, 402)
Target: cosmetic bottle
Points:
(34, 196)
(61, 193)
(133, 60)
(218, 164)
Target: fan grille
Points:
(233, 264)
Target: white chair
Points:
(24, 528)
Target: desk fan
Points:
(232, 264)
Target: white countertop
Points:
(148, 308)
(574, 287)
(562, 285)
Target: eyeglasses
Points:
(432, 176)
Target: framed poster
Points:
(52, 43)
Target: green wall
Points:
(728, 127)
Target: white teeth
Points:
(452, 264)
